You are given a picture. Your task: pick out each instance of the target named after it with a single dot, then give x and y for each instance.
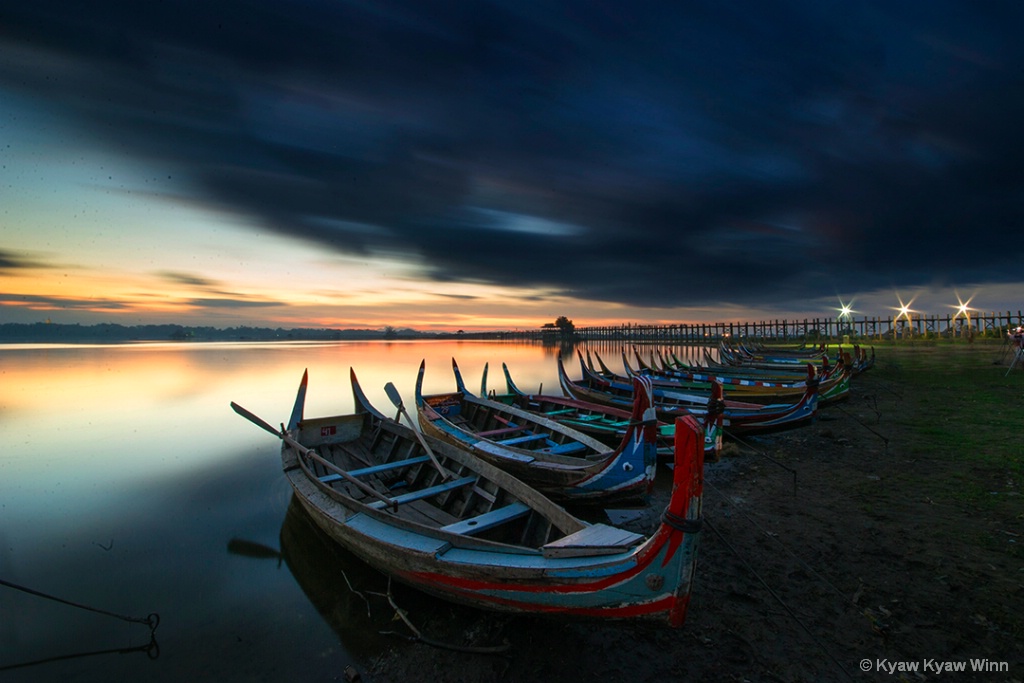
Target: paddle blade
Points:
(393, 395)
(255, 419)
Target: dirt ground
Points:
(824, 558)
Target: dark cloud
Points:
(13, 261)
(42, 302)
(643, 153)
(185, 278)
(62, 303)
(228, 302)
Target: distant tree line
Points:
(112, 333)
(47, 332)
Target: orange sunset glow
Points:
(456, 200)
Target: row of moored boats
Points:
(497, 500)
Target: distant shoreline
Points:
(110, 333)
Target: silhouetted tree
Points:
(565, 326)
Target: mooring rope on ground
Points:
(739, 506)
(763, 455)
(885, 439)
(778, 598)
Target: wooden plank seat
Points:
(376, 469)
(488, 520)
(566, 448)
(556, 413)
(522, 439)
(425, 493)
(500, 432)
(593, 539)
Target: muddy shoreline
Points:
(820, 561)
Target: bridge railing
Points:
(977, 324)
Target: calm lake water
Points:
(128, 485)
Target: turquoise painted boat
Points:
(561, 462)
(606, 422)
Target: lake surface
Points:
(128, 485)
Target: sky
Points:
(495, 165)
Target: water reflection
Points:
(345, 591)
(359, 603)
(124, 474)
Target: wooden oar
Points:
(260, 422)
(396, 398)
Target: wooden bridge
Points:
(905, 326)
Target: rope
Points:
(885, 439)
(152, 620)
(777, 598)
(687, 526)
(763, 455)
(778, 540)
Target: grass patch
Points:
(958, 407)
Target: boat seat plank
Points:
(566, 448)
(563, 411)
(494, 449)
(593, 539)
(499, 432)
(522, 439)
(426, 493)
(486, 495)
(488, 519)
(401, 539)
(422, 512)
(376, 469)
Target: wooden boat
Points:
(830, 389)
(859, 360)
(739, 356)
(738, 417)
(441, 520)
(741, 388)
(728, 373)
(761, 353)
(738, 376)
(606, 422)
(711, 364)
(559, 461)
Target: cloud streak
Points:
(642, 155)
(13, 262)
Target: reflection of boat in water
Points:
(338, 584)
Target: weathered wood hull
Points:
(565, 567)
